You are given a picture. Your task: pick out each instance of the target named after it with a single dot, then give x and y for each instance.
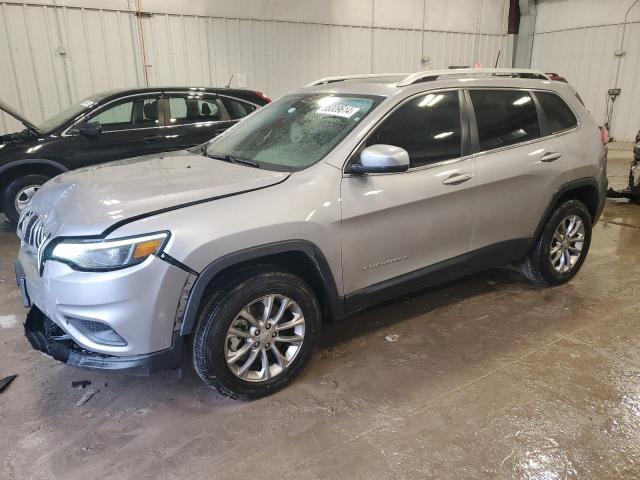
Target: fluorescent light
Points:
(443, 135)
(522, 100)
(430, 100)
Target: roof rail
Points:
(429, 75)
(342, 78)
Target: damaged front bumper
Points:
(44, 335)
(126, 320)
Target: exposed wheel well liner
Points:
(587, 194)
(297, 256)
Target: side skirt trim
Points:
(487, 257)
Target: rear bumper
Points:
(45, 336)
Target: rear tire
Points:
(561, 247)
(245, 353)
(18, 193)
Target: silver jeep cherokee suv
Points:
(348, 192)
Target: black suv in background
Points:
(113, 125)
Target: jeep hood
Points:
(15, 114)
(91, 200)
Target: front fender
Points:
(335, 301)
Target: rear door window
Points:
(559, 115)
(185, 109)
(504, 117)
(428, 127)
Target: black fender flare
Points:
(33, 161)
(563, 190)
(335, 302)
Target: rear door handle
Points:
(550, 156)
(457, 178)
(153, 138)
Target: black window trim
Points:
(474, 126)
(466, 147)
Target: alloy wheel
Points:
(264, 338)
(567, 244)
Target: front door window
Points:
(140, 112)
(428, 127)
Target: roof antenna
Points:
(497, 58)
(229, 83)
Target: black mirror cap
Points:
(360, 169)
(90, 129)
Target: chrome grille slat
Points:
(31, 230)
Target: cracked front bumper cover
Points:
(45, 336)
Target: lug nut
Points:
(268, 326)
(257, 344)
(274, 334)
(257, 332)
(267, 345)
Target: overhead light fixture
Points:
(522, 100)
(430, 100)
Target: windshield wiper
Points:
(230, 158)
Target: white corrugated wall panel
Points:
(626, 117)
(103, 50)
(396, 50)
(585, 56)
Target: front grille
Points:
(31, 230)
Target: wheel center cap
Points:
(265, 336)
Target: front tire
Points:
(257, 333)
(17, 194)
(561, 247)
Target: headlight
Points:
(107, 254)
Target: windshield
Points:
(67, 114)
(294, 132)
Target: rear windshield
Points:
(295, 131)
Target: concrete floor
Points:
(489, 378)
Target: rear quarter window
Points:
(559, 115)
(237, 108)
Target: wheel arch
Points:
(585, 190)
(42, 166)
(298, 256)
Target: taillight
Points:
(264, 97)
(604, 135)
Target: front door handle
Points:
(550, 156)
(153, 138)
(457, 178)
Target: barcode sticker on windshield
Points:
(339, 110)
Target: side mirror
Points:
(381, 159)
(90, 129)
